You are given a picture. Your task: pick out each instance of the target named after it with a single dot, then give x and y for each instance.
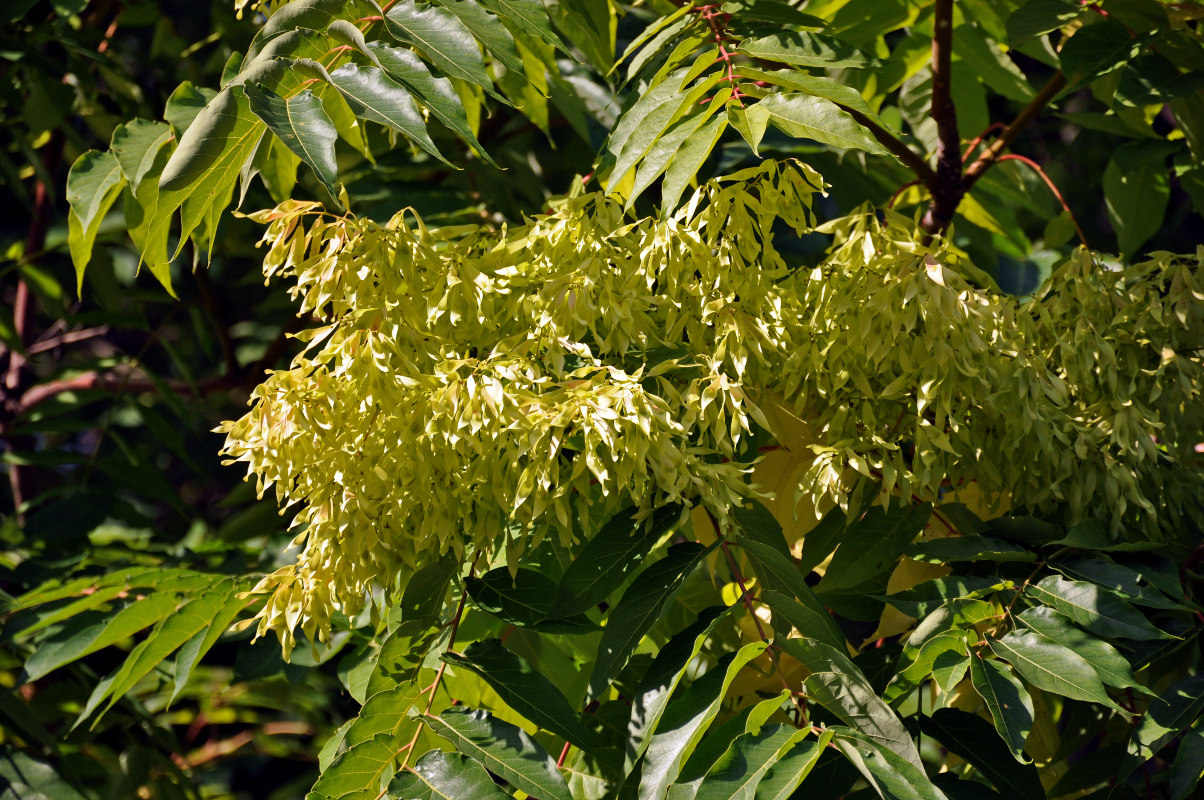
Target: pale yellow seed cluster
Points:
(478, 390)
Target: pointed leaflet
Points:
(687, 162)
(968, 548)
(136, 144)
(791, 769)
(613, 553)
(504, 749)
(667, 92)
(1097, 609)
(718, 746)
(489, 31)
(401, 656)
(199, 178)
(185, 103)
(686, 720)
(738, 772)
(200, 644)
(839, 685)
(804, 49)
(443, 38)
(807, 116)
(639, 609)
(797, 81)
(85, 635)
(1006, 698)
(651, 126)
(445, 776)
(530, 16)
(972, 738)
(437, 94)
(93, 185)
(663, 677)
(374, 96)
(1105, 659)
(891, 776)
(524, 689)
(302, 124)
(1052, 667)
(140, 212)
(169, 635)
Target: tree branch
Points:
(946, 185)
(1012, 132)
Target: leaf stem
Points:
(1013, 130)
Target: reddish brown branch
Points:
(946, 185)
(1012, 132)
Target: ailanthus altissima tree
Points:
(788, 448)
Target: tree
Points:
(765, 436)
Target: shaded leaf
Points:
(304, 127)
(610, 556)
(136, 145)
(1105, 659)
(1095, 608)
(892, 776)
(504, 749)
(374, 96)
(524, 689)
(806, 49)
(442, 38)
(1006, 698)
(640, 608)
(971, 737)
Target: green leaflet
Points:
(488, 30)
(688, 161)
(446, 776)
(304, 127)
(199, 177)
(806, 49)
(136, 145)
(443, 39)
(610, 556)
(811, 117)
(1006, 698)
(640, 608)
(1137, 191)
(1112, 668)
(969, 548)
(528, 599)
(192, 618)
(93, 185)
(504, 749)
(791, 769)
(663, 677)
(893, 777)
(1097, 609)
(437, 94)
(385, 712)
(530, 16)
(401, 655)
(1052, 667)
(838, 685)
(374, 96)
(1189, 764)
(85, 634)
(686, 719)
(316, 15)
(738, 772)
(357, 771)
(1174, 710)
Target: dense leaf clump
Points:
(475, 390)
